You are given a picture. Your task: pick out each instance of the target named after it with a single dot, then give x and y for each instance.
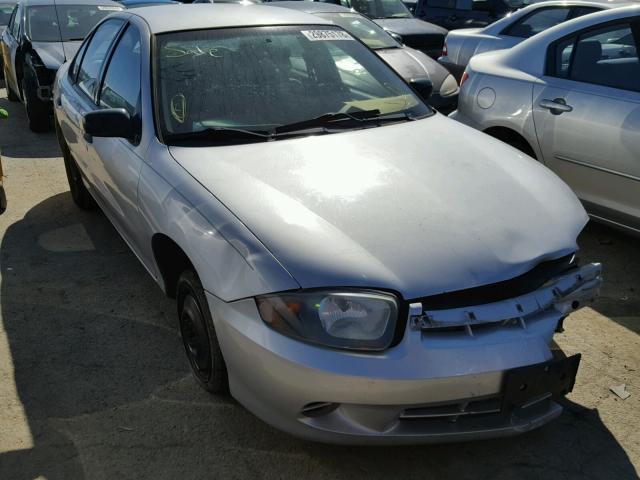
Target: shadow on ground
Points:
(104, 383)
(29, 144)
(619, 253)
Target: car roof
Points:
(71, 2)
(313, 7)
(199, 16)
(604, 4)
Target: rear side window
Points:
(537, 22)
(95, 55)
(76, 61)
(121, 86)
(606, 56)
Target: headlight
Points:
(353, 320)
(449, 86)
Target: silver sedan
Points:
(460, 45)
(353, 266)
(570, 97)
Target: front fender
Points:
(230, 261)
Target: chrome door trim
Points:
(596, 167)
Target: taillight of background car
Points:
(464, 78)
(444, 50)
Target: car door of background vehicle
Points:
(587, 118)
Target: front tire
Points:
(37, 110)
(199, 336)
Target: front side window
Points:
(381, 8)
(64, 23)
(362, 28)
(267, 78)
(606, 56)
(6, 9)
(537, 22)
(121, 86)
(96, 54)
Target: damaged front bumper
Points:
(457, 374)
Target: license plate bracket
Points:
(553, 379)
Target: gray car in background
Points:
(460, 45)
(352, 266)
(570, 97)
(6, 8)
(409, 63)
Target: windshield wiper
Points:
(220, 134)
(74, 39)
(326, 120)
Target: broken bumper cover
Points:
(436, 385)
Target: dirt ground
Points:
(94, 382)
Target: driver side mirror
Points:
(422, 86)
(110, 122)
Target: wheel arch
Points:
(171, 261)
(513, 138)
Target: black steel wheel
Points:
(199, 336)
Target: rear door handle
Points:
(557, 106)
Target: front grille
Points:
(451, 412)
(495, 292)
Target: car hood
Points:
(54, 54)
(410, 64)
(410, 26)
(422, 207)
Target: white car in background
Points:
(462, 44)
(570, 97)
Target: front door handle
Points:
(557, 106)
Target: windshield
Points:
(263, 78)
(362, 28)
(72, 22)
(381, 8)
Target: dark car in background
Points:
(453, 14)
(409, 63)
(41, 36)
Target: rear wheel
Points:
(37, 110)
(199, 336)
(79, 193)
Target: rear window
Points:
(70, 23)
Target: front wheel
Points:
(199, 336)
(37, 110)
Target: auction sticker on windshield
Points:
(319, 35)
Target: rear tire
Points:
(199, 336)
(79, 193)
(37, 110)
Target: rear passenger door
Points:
(587, 117)
(116, 162)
